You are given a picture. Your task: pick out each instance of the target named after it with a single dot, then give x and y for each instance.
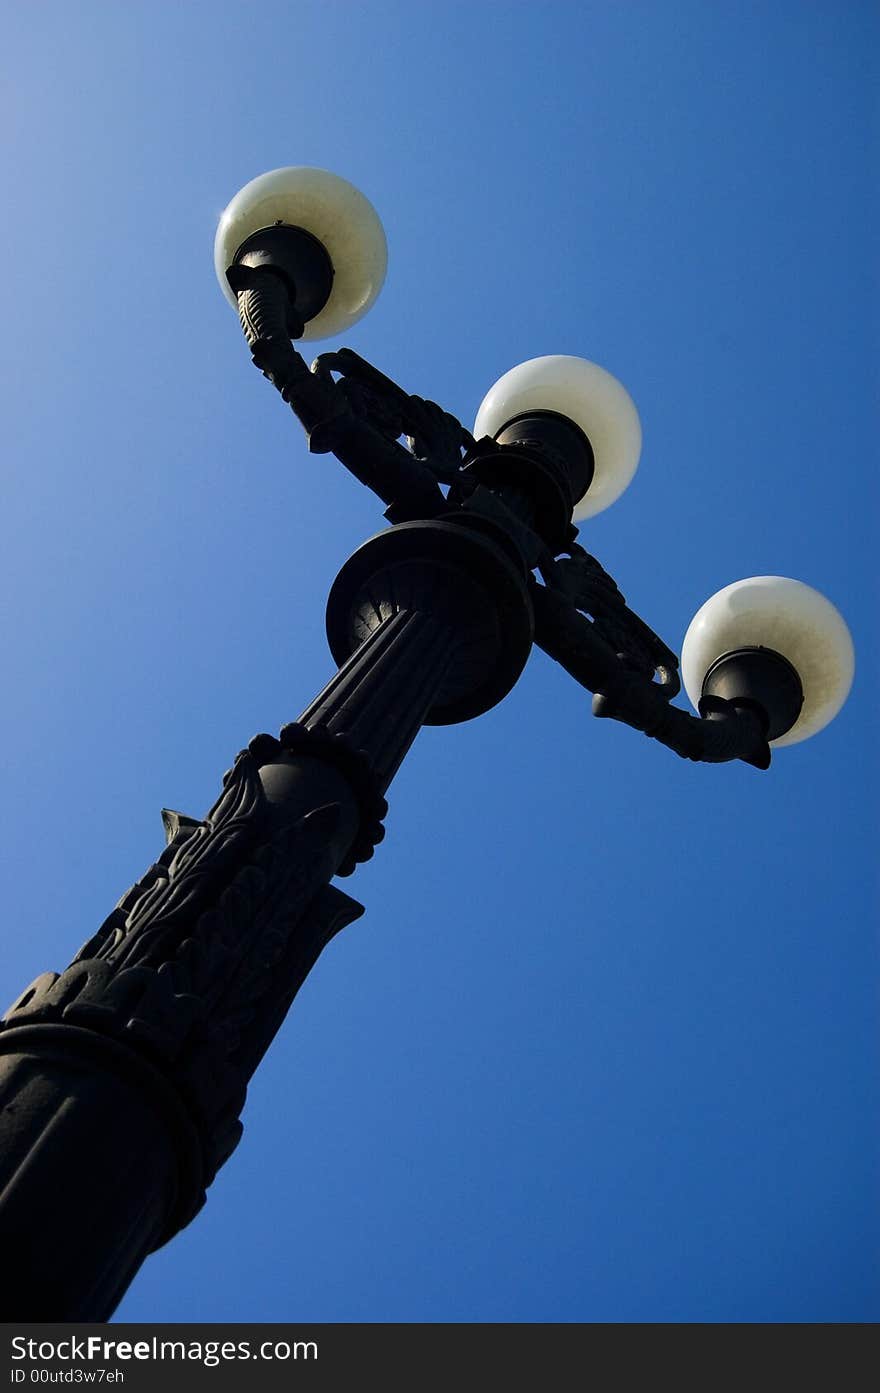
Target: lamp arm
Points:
(403, 482)
(724, 731)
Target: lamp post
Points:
(122, 1079)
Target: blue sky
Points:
(603, 1047)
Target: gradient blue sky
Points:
(604, 1045)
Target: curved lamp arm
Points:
(725, 732)
(332, 424)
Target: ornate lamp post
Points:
(122, 1078)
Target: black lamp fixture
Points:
(122, 1078)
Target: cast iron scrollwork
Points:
(594, 592)
(433, 436)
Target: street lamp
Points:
(122, 1079)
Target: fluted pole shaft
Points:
(122, 1078)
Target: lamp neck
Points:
(295, 256)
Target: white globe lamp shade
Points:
(789, 618)
(591, 398)
(333, 211)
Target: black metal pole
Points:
(122, 1079)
